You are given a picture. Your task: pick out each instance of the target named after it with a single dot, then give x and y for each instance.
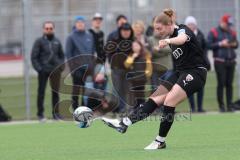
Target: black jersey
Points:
(190, 54)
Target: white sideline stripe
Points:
(26, 122)
(215, 113)
(52, 121)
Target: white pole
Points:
(237, 24)
(26, 52)
(65, 15)
(130, 10)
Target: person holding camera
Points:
(223, 41)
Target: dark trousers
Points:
(199, 100)
(77, 78)
(42, 83)
(225, 76)
(121, 88)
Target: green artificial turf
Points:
(203, 137)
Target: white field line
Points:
(28, 122)
(52, 121)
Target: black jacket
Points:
(99, 43)
(118, 49)
(203, 44)
(47, 54)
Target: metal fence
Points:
(21, 24)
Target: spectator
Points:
(191, 22)
(140, 67)
(47, 54)
(159, 57)
(139, 28)
(79, 42)
(98, 36)
(100, 79)
(117, 56)
(120, 20)
(223, 41)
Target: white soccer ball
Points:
(83, 115)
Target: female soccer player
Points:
(189, 77)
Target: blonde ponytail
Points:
(169, 12)
(166, 17)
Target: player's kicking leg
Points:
(171, 99)
(140, 113)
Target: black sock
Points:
(143, 111)
(166, 120)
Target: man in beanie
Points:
(79, 42)
(223, 41)
(117, 56)
(191, 22)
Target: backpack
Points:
(215, 33)
(4, 116)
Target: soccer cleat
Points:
(156, 145)
(115, 124)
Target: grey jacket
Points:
(46, 54)
(79, 43)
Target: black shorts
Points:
(189, 80)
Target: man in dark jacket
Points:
(223, 40)
(79, 43)
(47, 54)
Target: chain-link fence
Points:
(21, 23)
